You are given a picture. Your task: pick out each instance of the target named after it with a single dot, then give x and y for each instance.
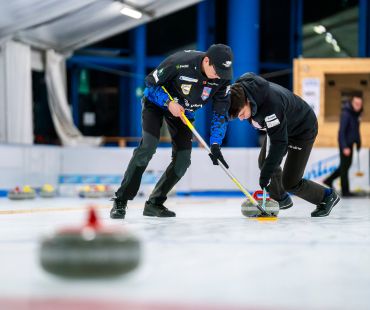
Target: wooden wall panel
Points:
(345, 75)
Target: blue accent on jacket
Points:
(218, 128)
(158, 96)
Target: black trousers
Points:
(342, 171)
(152, 119)
(290, 178)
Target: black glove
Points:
(216, 154)
(264, 183)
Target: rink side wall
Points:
(72, 168)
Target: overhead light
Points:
(319, 29)
(128, 11)
(336, 48)
(329, 37)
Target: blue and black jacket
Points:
(182, 77)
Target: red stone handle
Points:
(257, 195)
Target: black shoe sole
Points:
(148, 214)
(116, 217)
(155, 215)
(286, 207)
(332, 206)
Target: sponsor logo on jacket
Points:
(182, 66)
(186, 88)
(205, 93)
(188, 79)
(294, 147)
(271, 121)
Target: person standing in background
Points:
(349, 134)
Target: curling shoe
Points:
(159, 210)
(119, 208)
(324, 207)
(285, 203)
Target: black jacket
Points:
(349, 129)
(181, 74)
(286, 117)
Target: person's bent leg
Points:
(136, 167)
(276, 189)
(293, 171)
(181, 153)
(174, 172)
(152, 118)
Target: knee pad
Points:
(182, 162)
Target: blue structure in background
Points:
(364, 28)
(296, 24)
(205, 37)
(243, 37)
(139, 69)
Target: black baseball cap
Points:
(221, 57)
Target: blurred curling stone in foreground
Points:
(250, 210)
(48, 191)
(91, 251)
(27, 192)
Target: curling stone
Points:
(15, 194)
(90, 252)
(48, 191)
(250, 210)
(91, 192)
(109, 191)
(27, 192)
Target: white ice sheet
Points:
(208, 255)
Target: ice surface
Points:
(208, 255)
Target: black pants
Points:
(152, 119)
(342, 171)
(289, 179)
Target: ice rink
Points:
(208, 257)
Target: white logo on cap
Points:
(227, 63)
